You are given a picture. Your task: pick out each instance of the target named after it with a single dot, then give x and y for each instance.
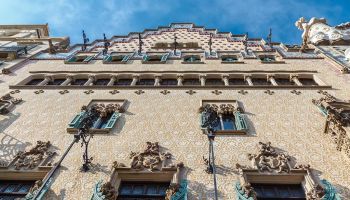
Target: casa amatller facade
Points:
(178, 112)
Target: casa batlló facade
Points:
(178, 112)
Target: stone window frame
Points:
(160, 169)
(243, 128)
(30, 165)
(274, 166)
(116, 116)
(126, 56)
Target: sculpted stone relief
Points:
(338, 117)
(272, 162)
(151, 159)
(7, 102)
(317, 31)
(221, 108)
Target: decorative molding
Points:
(63, 92)
(7, 102)
(88, 91)
(139, 92)
(191, 92)
(153, 161)
(39, 91)
(114, 91)
(165, 92)
(216, 92)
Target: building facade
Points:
(171, 110)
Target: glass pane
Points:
(138, 189)
(151, 190)
(163, 188)
(25, 188)
(34, 82)
(11, 188)
(123, 82)
(229, 122)
(125, 189)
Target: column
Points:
(271, 78)
(225, 79)
(294, 78)
(202, 79)
(180, 79)
(157, 80)
(68, 80)
(248, 78)
(135, 78)
(90, 80)
(46, 80)
(113, 79)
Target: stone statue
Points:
(305, 26)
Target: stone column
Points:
(90, 80)
(180, 78)
(135, 78)
(68, 80)
(225, 79)
(113, 79)
(248, 78)
(271, 78)
(294, 78)
(202, 79)
(157, 80)
(46, 80)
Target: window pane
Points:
(125, 189)
(25, 188)
(229, 122)
(11, 188)
(138, 189)
(152, 189)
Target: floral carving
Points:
(165, 92)
(139, 92)
(191, 92)
(151, 158)
(32, 158)
(317, 193)
(109, 192)
(105, 109)
(221, 109)
(269, 160)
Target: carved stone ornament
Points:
(34, 157)
(151, 161)
(221, 108)
(270, 161)
(7, 102)
(105, 109)
(338, 118)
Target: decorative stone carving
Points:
(139, 92)
(109, 192)
(165, 92)
(269, 160)
(105, 109)
(34, 157)
(338, 117)
(151, 158)
(317, 31)
(216, 92)
(316, 193)
(7, 102)
(191, 92)
(221, 108)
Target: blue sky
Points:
(119, 17)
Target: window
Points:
(192, 59)
(108, 116)
(169, 82)
(12, 190)
(229, 118)
(56, 81)
(110, 59)
(75, 59)
(279, 191)
(145, 82)
(142, 190)
(237, 81)
(191, 81)
(284, 81)
(123, 82)
(261, 81)
(308, 81)
(80, 81)
(267, 58)
(35, 81)
(229, 59)
(214, 81)
(155, 58)
(102, 81)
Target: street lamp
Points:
(210, 121)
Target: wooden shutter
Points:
(112, 120)
(240, 121)
(87, 59)
(126, 58)
(76, 120)
(108, 58)
(145, 58)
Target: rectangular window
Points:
(279, 191)
(11, 190)
(142, 190)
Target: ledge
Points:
(231, 132)
(236, 62)
(273, 62)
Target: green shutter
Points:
(87, 59)
(201, 120)
(240, 121)
(145, 58)
(112, 120)
(165, 57)
(76, 120)
(71, 59)
(108, 58)
(126, 58)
